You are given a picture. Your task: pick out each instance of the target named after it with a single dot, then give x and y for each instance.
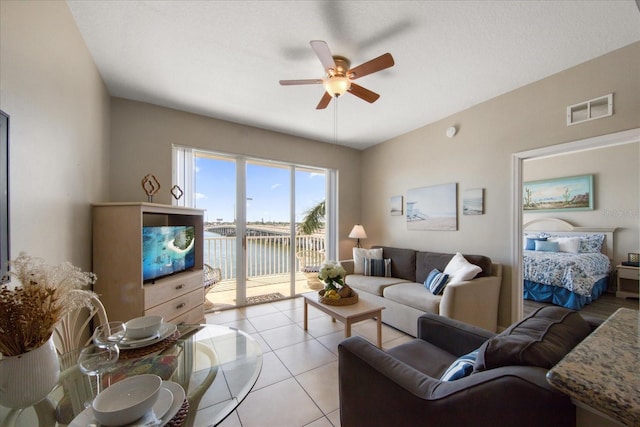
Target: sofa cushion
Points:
(377, 267)
(424, 356)
(460, 270)
(371, 284)
(541, 339)
(403, 262)
(413, 295)
(427, 261)
(359, 254)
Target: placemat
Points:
(178, 419)
(131, 353)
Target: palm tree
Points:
(313, 219)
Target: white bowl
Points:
(143, 327)
(127, 400)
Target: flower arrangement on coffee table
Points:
(335, 291)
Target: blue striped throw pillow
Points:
(377, 267)
(462, 367)
(436, 281)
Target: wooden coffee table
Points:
(347, 314)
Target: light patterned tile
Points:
(331, 341)
(322, 422)
(243, 324)
(272, 371)
(220, 317)
(302, 357)
(322, 385)
(282, 404)
(251, 311)
(334, 417)
(269, 321)
(284, 336)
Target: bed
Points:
(565, 265)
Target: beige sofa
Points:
(405, 297)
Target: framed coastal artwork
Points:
(573, 193)
(433, 208)
(396, 205)
(473, 201)
(4, 198)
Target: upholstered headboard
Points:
(563, 228)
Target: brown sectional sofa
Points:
(405, 298)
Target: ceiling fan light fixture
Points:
(337, 85)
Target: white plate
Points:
(168, 404)
(166, 330)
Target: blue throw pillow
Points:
(531, 243)
(377, 267)
(545, 246)
(436, 281)
(462, 367)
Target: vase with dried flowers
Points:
(29, 312)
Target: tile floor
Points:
(298, 385)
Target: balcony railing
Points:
(266, 255)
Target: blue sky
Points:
(268, 189)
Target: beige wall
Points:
(480, 156)
(143, 134)
(59, 131)
(616, 188)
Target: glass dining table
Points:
(216, 366)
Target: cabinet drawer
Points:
(177, 306)
(192, 317)
(171, 287)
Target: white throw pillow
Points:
(567, 244)
(359, 254)
(459, 269)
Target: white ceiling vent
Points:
(590, 110)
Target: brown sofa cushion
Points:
(541, 339)
(403, 262)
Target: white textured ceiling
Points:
(224, 58)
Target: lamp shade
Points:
(337, 85)
(357, 232)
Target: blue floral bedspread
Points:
(574, 272)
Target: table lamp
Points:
(357, 232)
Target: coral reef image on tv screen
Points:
(167, 250)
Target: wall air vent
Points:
(590, 110)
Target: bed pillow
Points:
(359, 254)
(547, 246)
(567, 244)
(541, 339)
(377, 267)
(591, 243)
(459, 269)
(436, 281)
(530, 243)
(461, 367)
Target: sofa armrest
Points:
(347, 264)
(451, 335)
(474, 301)
(377, 389)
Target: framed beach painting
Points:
(433, 208)
(473, 201)
(396, 205)
(573, 193)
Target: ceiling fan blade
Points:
(380, 63)
(321, 49)
(363, 93)
(300, 82)
(326, 99)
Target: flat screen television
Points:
(167, 250)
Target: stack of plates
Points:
(166, 407)
(166, 330)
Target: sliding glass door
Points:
(265, 223)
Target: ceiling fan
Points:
(339, 77)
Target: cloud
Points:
(201, 196)
(197, 169)
(274, 186)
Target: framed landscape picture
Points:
(396, 205)
(573, 193)
(433, 208)
(473, 201)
